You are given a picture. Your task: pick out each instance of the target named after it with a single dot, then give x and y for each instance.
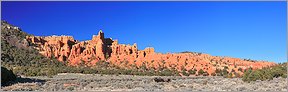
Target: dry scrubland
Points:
(97, 82)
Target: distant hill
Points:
(19, 55)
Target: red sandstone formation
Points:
(65, 48)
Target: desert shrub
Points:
(237, 75)
(205, 74)
(185, 73)
(70, 88)
(218, 72)
(232, 70)
(225, 67)
(6, 75)
(229, 75)
(224, 72)
(168, 72)
(266, 73)
(240, 69)
(213, 74)
(192, 71)
(201, 72)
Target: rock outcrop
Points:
(65, 48)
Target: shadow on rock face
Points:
(23, 80)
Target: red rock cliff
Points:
(65, 48)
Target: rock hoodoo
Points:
(65, 48)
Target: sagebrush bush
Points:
(6, 75)
(266, 73)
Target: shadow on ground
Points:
(23, 80)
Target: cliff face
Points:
(65, 48)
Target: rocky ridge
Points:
(65, 48)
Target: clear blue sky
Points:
(255, 30)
